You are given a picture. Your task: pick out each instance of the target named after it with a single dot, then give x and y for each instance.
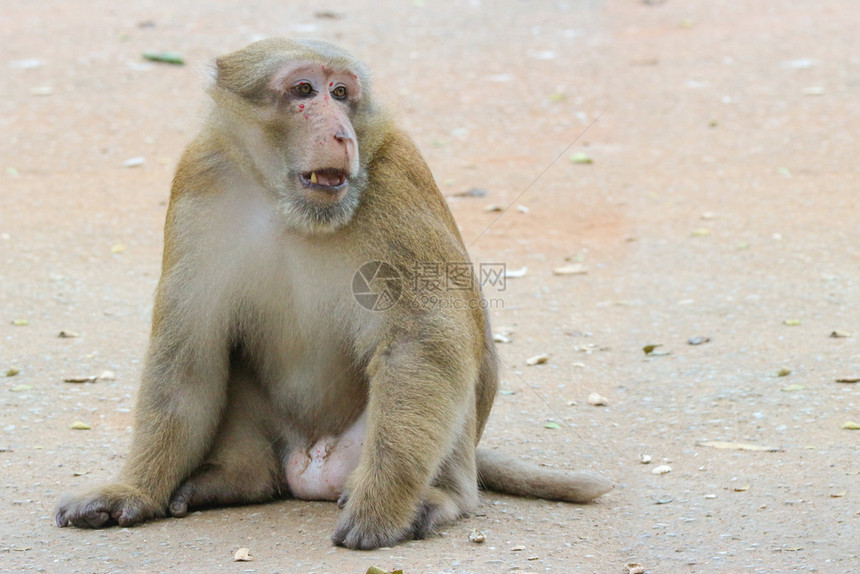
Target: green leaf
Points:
(164, 57)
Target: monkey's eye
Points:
(339, 92)
(303, 89)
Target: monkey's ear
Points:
(241, 76)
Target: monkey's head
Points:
(297, 113)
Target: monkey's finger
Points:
(83, 515)
(61, 519)
(88, 517)
(341, 502)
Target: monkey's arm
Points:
(182, 393)
(419, 395)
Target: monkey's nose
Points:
(343, 138)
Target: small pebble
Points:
(242, 555)
(134, 162)
(597, 400)
(662, 469)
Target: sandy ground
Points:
(722, 201)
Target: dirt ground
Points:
(722, 201)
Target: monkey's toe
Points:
(82, 513)
(344, 498)
(113, 505)
(179, 502)
(178, 509)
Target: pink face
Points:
(320, 101)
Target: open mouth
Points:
(328, 179)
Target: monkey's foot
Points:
(217, 486)
(367, 527)
(115, 504)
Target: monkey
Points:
(264, 376)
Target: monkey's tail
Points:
(504, 473)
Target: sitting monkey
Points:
(265, 376)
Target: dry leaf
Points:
(473, 192)
(741, 488)
(12, 372)
(516, 273)
(80, 379)
(840, 334)
(68, 335)
(572, 269)
(242, 555)
(791, 322)
(537, 360)
(849, 380)
(477, 536)
(838, 494)
(518, 548)
(738, 446)
(652, 350)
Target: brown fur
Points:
(258, 346)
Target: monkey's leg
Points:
(418, 406)
(181, 398)
(454, 491)
(244, 465)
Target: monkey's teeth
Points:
(333, 178)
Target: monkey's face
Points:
(314, 171)
(316, 103)
(295, 108)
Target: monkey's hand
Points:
(365, 525)
(372, 530)
(114, 504)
